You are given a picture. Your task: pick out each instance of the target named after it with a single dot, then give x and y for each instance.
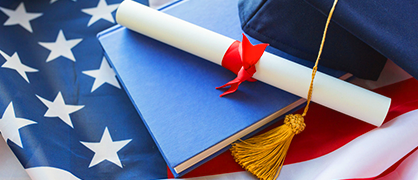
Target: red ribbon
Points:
(241, 58)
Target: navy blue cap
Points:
(363, 34)
(388, 26)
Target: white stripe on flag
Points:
(44, 172)
(407, 170)
(366, 156)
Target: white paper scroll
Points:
(276, 71)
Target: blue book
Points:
(174, 91)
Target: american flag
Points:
(64, 114)
(63, 111)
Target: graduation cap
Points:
(361, 37)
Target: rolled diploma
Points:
(328, 91)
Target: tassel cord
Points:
(314, 69)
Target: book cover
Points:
(174, 91)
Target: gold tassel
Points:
(264, 155)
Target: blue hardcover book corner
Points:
(174, 91)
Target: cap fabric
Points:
(296, 27)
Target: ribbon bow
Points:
(241, 58)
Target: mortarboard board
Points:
(390, 27)
(361, 36)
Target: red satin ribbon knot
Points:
(241, 58)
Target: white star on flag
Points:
(20, 16)
(106, 149)
(61, 47)
(59, 109)
(10, 125)
(102, 11)
(104, 74)
(15, 64)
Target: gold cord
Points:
(314, 69)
